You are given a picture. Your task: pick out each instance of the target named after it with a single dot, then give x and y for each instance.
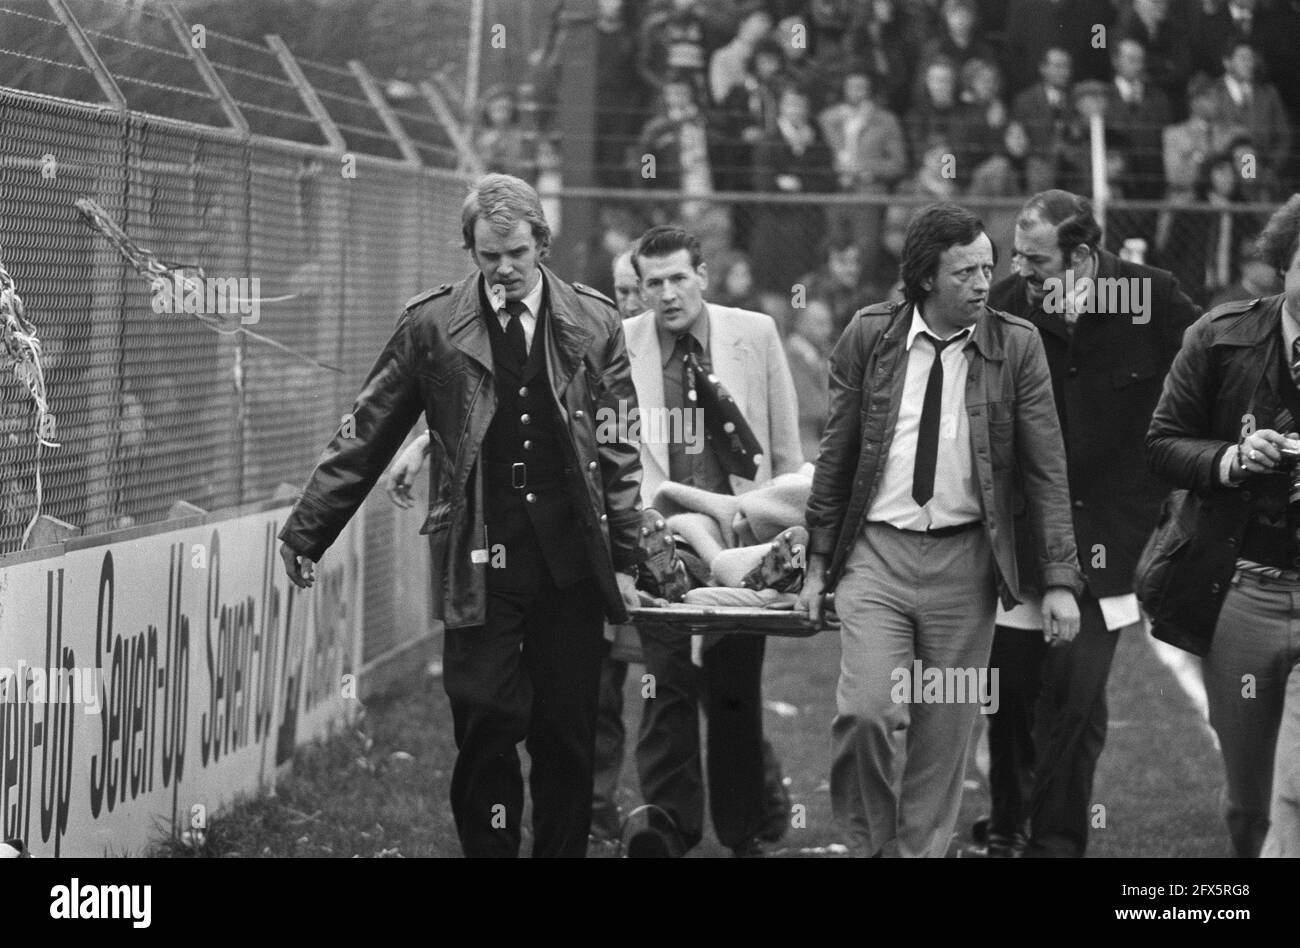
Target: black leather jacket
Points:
(439, 362)
(1228, 369)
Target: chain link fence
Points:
(152, 407)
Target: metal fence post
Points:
(308, 94)
(107, 84)
(385, 112)
(464, 148)
(205, 70)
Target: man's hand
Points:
(627, 589)
(1060, 616)
(301, 571)
(401, 476)
(814, 581)
(1260, 452)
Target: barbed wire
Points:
(42, 59)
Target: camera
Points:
(1289, 464)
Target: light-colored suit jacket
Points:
(750, 362)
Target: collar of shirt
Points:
(918, 326)
(668, 340)
(1238, 90)
(1054, 96)
(1290, 329)
(1129, 91)
(532, 302)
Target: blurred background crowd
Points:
(927, 99)
(971, 100)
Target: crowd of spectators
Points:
(950, 98)
(934, 99)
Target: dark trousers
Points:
(1069, 734)
(531, 672)
(1018, 656)
(668, 749)
(611, 737)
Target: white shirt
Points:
(1128, 91)
(956, 497)
(532, 306)
(1238, 91)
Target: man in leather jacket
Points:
(1225, 431)
(939, 407)
(533, 519)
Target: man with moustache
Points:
(1107, 363)
(940, 408)
(533, 520)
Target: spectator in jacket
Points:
(1187, 144)
(501, 143)
(795, 160)
(1140, 110)
(1036, 26)
(841, 282)
(869, 157)
(959, 40)
(888, 40)
(1227, 414)
(937, 113)
(1045, 110)
(1163, 31)
(984, 116)
(672, 45)
(674, 145)
(1244, 100)
(621, 95)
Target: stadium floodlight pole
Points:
(472, 66)
(1100, 186)
(107, 84)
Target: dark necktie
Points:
(733, 441)
(515, 338)
(927, 442)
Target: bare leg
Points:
(700, 531)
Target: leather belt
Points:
(939, 533)
(519, 474)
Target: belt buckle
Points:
(518, 474)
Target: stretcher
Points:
(684, 619)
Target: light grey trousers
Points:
(1252, 683)
(898, 757)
